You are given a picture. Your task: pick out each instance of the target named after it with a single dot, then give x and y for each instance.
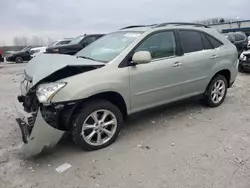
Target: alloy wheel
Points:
(218, 91)
(99, 127)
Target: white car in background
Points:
(38, 50)
(248, 45)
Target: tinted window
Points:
(206, 44)
(89, 40)
(62, 42)
(214, 41)
(159, 45)
(239, 37)
(190, 41)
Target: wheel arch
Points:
(111, 96)
(224, 72)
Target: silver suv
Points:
(124, 72)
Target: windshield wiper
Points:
(84, 57)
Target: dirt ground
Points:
(184, 145)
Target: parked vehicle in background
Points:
(1, 56)
(244, 61)
(75, 45)
(61, 42)
(21, 56)
(36, 51)
(239, 39)
(124, 72)
(248, 45)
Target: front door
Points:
(159, 81)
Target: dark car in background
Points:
(1, 56)
(244, 62)
(239, 39)
(75, 45)
(20, 56)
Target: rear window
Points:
(190, 41)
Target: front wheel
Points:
(96, 125)
(216, 91)
(19, 59)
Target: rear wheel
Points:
(96, 125)
(19, 59)
(216, 91)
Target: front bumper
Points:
(245, 64)
(10, 58)
(36, 133)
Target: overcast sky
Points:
(68, 18)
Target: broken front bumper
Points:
(36, 133)
(245, 64)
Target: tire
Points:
(19, 59)
(240, 69)
(221, 94)
(80, 137)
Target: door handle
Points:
(214, 56)
(177, 64)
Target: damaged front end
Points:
(39, 124)
(42, 122)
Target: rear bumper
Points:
(234, 73)
(36, 133)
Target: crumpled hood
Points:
(246, 52)
(44, 65)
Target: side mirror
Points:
(142, 57)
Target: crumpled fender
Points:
(42, 136)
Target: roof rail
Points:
(133, 26)
(182, 23)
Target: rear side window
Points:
(206, 44)
(190, 41)
(215, 43)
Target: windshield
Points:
(26, 48)
(77, 40)
(109, 46)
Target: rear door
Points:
(199, 58)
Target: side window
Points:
(190, 41)
(62, 42)
(160, 45)
(214, 41)
(206, 44)
(88, 40)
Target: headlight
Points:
(45, 92)
(242, 57)
(56, 50)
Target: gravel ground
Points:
(184, 145)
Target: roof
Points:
(171, 25)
